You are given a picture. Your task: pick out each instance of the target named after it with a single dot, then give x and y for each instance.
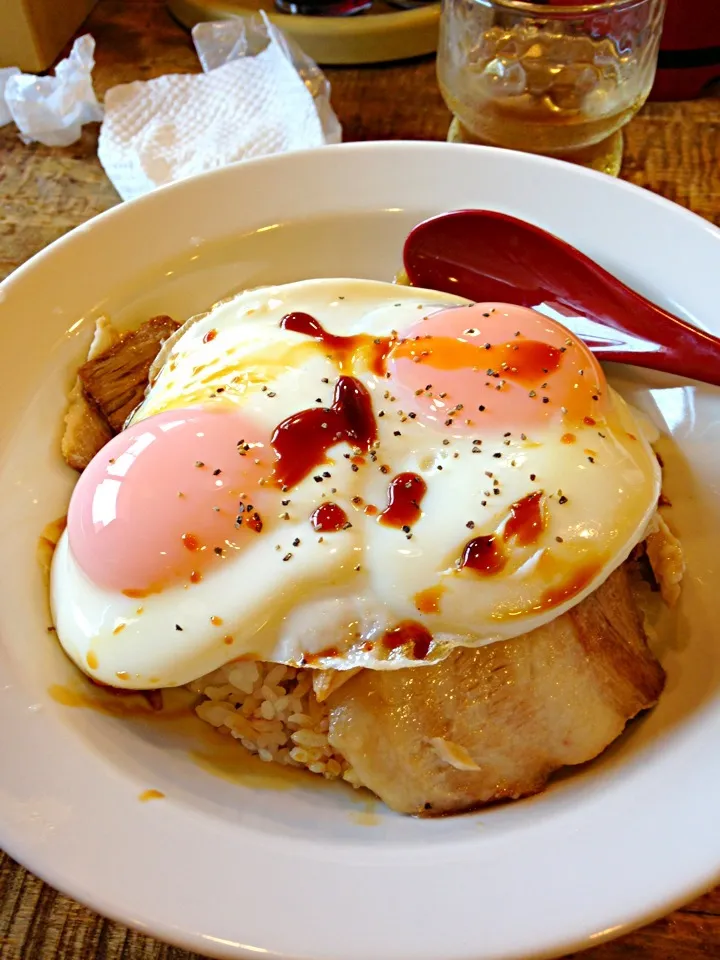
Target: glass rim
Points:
(551, 11)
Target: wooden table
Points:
(673, 149)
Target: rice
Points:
(273, 712)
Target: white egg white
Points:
(340, 592)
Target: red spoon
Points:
(485, 255)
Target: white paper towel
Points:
(176, 126)
(52, 110)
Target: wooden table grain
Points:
(673, 149)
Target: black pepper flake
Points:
(396, 433)
(326, 474)
(218, 551)
(481, 408)
(406, 529)
(559, 539)
(354, 467)
(591, 459)
(496, 491)
(288, 556)
(483, 503)
(532, 476)
(446, 442)
(546, 400)
(199, 463)
(384, 469)
(439, 467)
(497, 455)
(347, 525)
(470, 524)
(178, 627)
(318, 479)
(296, 542)
(216, 473)
(563, 499)
(448, 423)
(532, 394)
(285, 502)
(412, 415)
(271, 393)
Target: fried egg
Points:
(347, 473)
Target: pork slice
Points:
(116, 380)
(86, 430)
(495, 722)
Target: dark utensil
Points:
(484, 255)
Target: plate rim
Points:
(199, 942)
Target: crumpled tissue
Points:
(259, 94)
(52, 110)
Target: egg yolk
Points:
(168, 497)
(495, 364)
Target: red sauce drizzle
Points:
(532, 361)
(190, 541)
(527, 519)
(526, 522)
(405, 495)
(409, 631)
(328, 518)
(302, 441)
(484, 555)
(210, 335)
(343, 348)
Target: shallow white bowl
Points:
(235, 869)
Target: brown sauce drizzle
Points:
(301, 441)
(328, 518)
(527, 519)
(151, 795)
(579, 579)
(428, 600)
(527, 362)
(409, 631)
(328, 653)
(343, 349)
(404, 495)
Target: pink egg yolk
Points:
(167, 498)
(495, 364)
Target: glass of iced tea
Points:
(557, 79)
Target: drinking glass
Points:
(560, 80)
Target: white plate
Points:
(235, 870)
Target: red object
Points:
(689, 49)
(488, 256)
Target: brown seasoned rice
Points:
(274, 713)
